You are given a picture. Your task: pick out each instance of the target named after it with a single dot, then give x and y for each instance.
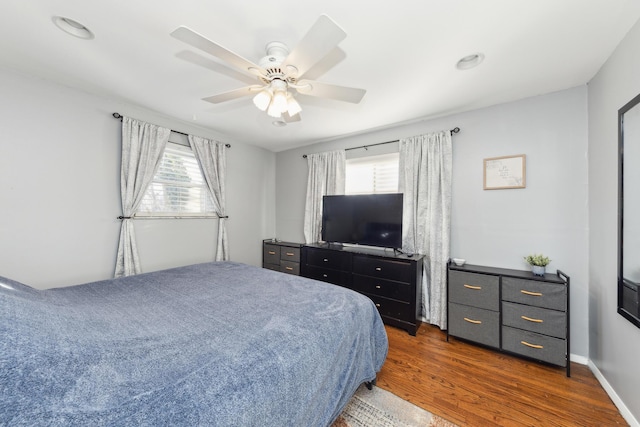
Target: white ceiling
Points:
(403, 53)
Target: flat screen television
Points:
(367, 219)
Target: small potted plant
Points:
(537, 263)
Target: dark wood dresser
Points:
(391, 280)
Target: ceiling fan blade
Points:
(321, 39)
(325, 90)
(198, 41)
(234, 94)
(290, 119)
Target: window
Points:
(373, 174)
(178, 188)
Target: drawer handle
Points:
(531, 345)
(289, 254)
(378, 269)
(532, 320)
(325, 260)
(288, 268)
(475, 322)
(476, 288)
(378, 305)
(272, 253)
(533, 294)
(378, 286)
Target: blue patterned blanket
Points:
(216, 344)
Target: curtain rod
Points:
(454, 130)
(119, 116)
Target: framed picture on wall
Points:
(505, 172)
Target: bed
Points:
(215, 344)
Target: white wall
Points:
(498, 227)
(614, 342)
(60, 190)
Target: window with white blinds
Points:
(178, 189)
(373, 174)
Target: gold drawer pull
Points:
(531, 345)
(378, 269)
(378, 286)
(475, 322)
(272, 253)
(532, 320)
(378, 305)
(533, 294)
(288, 268)
(476, 288)
(289, 254)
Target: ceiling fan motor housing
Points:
(277, 52)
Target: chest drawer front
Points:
(271, 254)
(329, 259)
(385, 288)
(532, 292)
(475, 324)
(392, 308)
(535, 319)
(327, 275)
(477, 290)
(274, 267)
(288, 253)
(382, 268)
(290, 267)
(536, 346)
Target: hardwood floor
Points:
(474, 386)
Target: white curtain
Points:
(425, 179)
(142, 148)
(211, 156)
(326, 177)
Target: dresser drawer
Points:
(532, 292)
(536, 346)
(382, 268)
(328, 259)
(274, 267)
(327, 275)
(392, 308)
(385, 288)
(535, 319)
(271, 254)
(477, 290)
(475, 324)
(290, 267)
(288, 253)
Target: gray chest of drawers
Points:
(511, 310)
(281, 256)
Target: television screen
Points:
(367, 219)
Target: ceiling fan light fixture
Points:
(262, 100)
(293, 107)
(274, 111)
(279, 101)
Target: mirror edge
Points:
(628, 106)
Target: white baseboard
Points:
(624, 411)
(579, 359)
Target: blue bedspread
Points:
(216, 344)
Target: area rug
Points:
(379, 408)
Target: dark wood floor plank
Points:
(475, 386)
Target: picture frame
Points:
(505, 172)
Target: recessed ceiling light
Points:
(72, 27)
(470, 61)
(279, 123)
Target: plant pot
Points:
(538, 270)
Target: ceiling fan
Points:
(280, 73)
